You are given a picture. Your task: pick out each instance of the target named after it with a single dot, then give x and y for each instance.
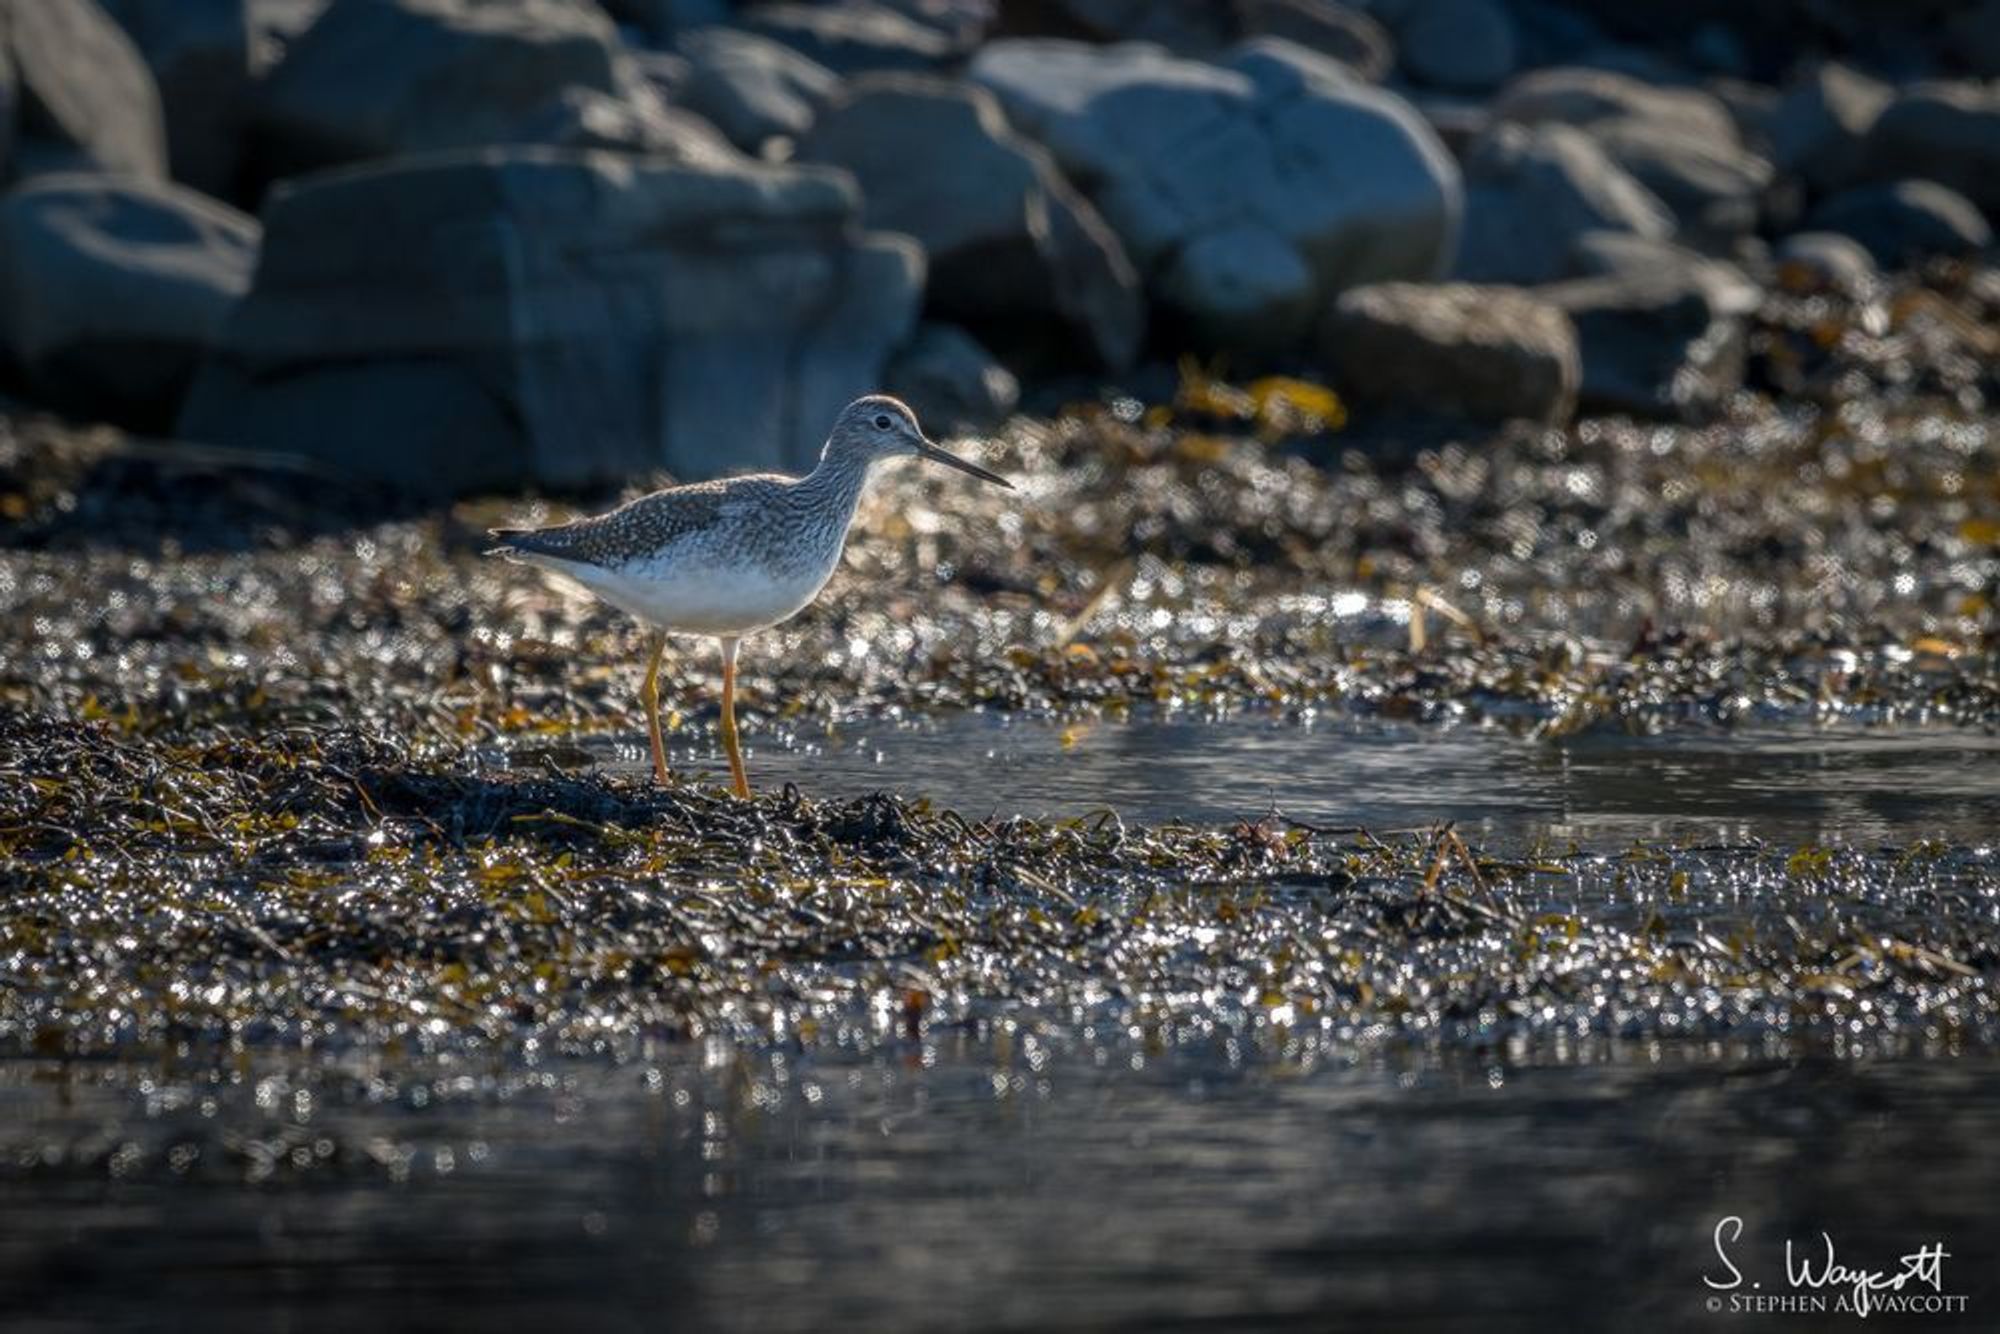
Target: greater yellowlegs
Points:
(730, 557)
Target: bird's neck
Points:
(837, 482)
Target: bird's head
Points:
(880, 427)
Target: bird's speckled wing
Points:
(640, 529)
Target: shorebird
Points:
(730, 557)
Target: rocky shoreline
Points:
(454, 246)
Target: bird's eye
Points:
(882, 422)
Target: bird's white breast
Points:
(701, 597)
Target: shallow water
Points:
(1065, 1170)
(961, 1185)
(1790, 782)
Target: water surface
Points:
(959, 1184)
(1792, 782)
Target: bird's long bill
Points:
(935, 455)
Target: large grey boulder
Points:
(667, 20)
(963, 23)
(851, 36)
(1348, 35)
(385, 78)
(1754, 107)
(1812, 262)
(75, 94)
(1194, 165)
(1553, 33)
(276, 26)
(665, 72)
(1943, 132)
(1531, 191)
(9, 101)
(1819, 128)
(1905, 222)
(111, 287)
(1680, 143)
(1462, 45)
(638, 122)
(1634, 258)
(1195, 28)
(952, 382)
(1484, 354)
(1974, 37)
(1667, 344)
(1241, 288)
(1586, 95)
(531, 314)
(751, 87)
(1011, 244)
(1457, 119)
(199, 55)
(1206, 29)
(1716, 187)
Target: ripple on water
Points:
(1777, 782)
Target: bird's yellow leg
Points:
(652, 696)
(729, 742)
